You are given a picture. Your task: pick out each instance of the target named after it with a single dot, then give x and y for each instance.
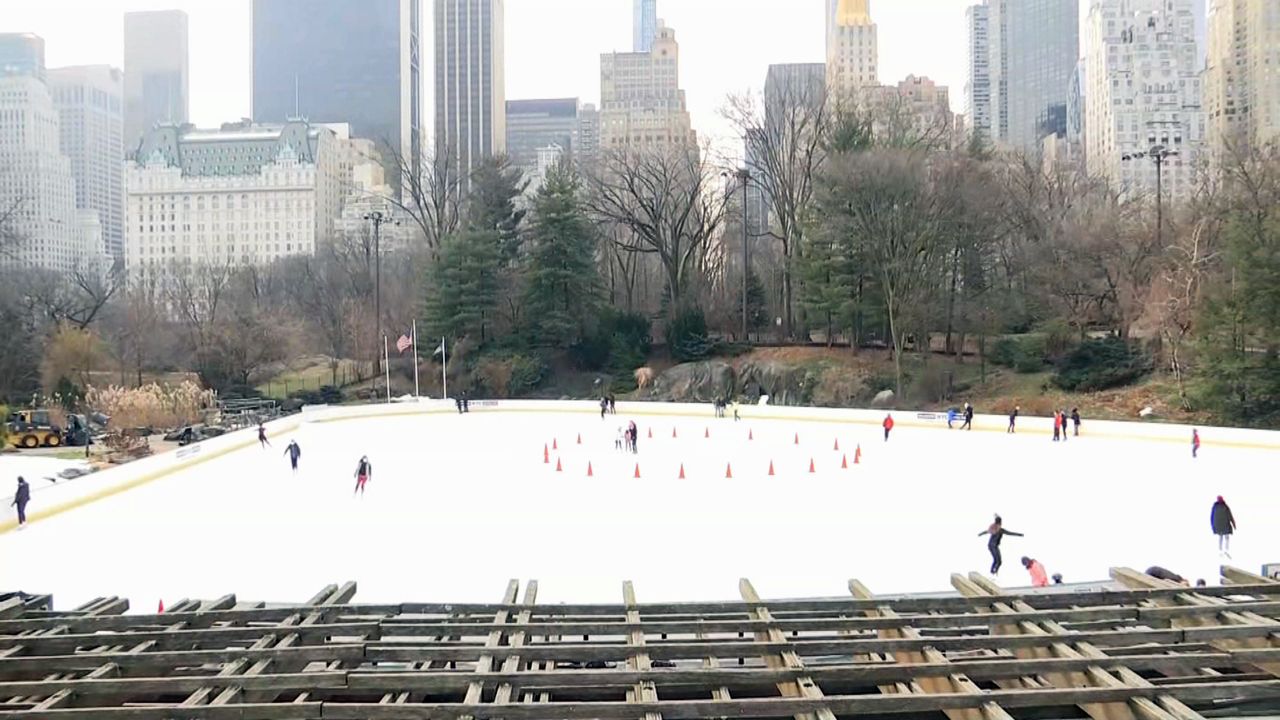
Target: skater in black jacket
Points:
(968, 417)
(1013, 420)
(262, 436)
(1224, 524)
(20, 500)
(996, 532)
(294, 452)
(364, 471)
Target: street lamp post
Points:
(378, 219)
(1159, 154)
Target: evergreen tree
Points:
(462, 286)
(562, 285)
(491, 204)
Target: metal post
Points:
(746, 269)
(1159, 201)
(377, 218)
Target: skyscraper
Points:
(641, 103)
(37, 193)
(977, 88)
(1242, 74)
(90, 104)
(22, 54)
(156, 86)
(471, 110)
(1034, 47)
(1143, 91)
(853, 53)
(336, 61)
(534, 125)
(644, 25)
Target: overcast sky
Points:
(552, 46)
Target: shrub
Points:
(1102, 364)
(153, 405)
(621, 341)
(1023, 353)
(506, 376)
(687, 339)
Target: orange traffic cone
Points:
(751, 435)
(770, 468)
(673, 432)
(797, 438)
(637, 475)
(682, 471)
(728, 471)
(559, 467)
(837, 447)
(857, 455)
(844, 462)
(650, 433)
(554, 446)
(160, 610)
(590, 471)
(546, 455)
(811, 468)
(579, 438)
(706, 433)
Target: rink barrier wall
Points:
(49, 501)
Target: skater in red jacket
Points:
(888, 426)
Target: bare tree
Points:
(667, 200)
(76, 297)
(785, 133)
(430, 193)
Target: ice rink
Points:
(460, 504)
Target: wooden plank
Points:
(511, 665)
(129, 662)
(803, 687)
(475, 690)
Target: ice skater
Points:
(364, 471)
(736, 417)
(294, 452)
(262, 436)
(1195, 444)
(1075, 420)
(613, 405)
(634, 432)
(1224, 524)
(888, 426)
(1039, 578)
(968, 417)
(20, 500)
(951, 417)
(996, 532)
(1057, 425)
(604, 406)
(1013, 420)
(618, 441)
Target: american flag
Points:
(404, 343)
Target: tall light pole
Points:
(743, 175)
(378, 219)
(1158, 154)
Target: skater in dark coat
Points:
(996, 532)
(262, 436)
(968, 417)
(20, 500)
(1224, 524)
(604, 406)
(1013, 420)
(364, 471)
(294, 452)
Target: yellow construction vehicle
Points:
(33, 429)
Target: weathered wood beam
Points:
(803, 687)
(643, 691)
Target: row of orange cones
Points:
(728, 470)
(706, 434)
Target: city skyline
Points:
(221, 47)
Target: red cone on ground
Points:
(728, 471)
(590, 471)
(751, 435)
(559, 467)
(673, 432)
(812, 470)
(160, 610)
(706, 433)
(844, 462)
(546, 455)
(650, 433)
(837, 447)
(770, 468)
(797, 438)
(579, 438)
(637, 470)
(554, 446)
(857, 455)
(682, 471)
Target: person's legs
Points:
(996, 559)
(22, 514)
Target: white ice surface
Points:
(459, 505)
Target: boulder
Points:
(695, 382)
(783, 384)
(884, 398)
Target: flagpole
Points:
(386, 364)
(444, 369)
(415, 358)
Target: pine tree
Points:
(562, 284)
(462, 287)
